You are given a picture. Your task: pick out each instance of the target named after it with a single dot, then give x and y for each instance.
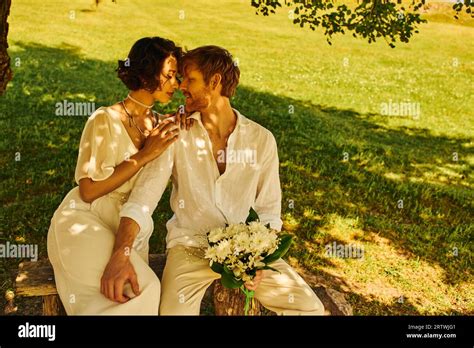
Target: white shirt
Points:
(201, 198)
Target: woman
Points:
(116, 143)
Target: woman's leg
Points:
(79, 248)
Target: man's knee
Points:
(172, 306)
(175, 300)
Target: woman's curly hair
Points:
(143, 66)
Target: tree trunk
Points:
(232, 301)
(5, 71)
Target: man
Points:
(220, 168)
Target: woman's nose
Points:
(176, 83)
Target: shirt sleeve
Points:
(268, 199)
(97, 149)
(148, 189)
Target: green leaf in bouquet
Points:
(228, 280)
(227, 270)
(253, 216)
(271, 268)
(217, 267)
(285, 243)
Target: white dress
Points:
(81, 235)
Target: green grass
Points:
(336, 94)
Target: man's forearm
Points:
(119, 269)
(126, 234)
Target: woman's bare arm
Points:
(157, 142)
(91, 190)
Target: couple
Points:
(99, 235)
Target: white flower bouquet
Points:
(238, 251)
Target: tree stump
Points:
(232, 301)
(52, 305)
(37, 279)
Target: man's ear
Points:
(215, 80)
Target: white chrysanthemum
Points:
(211, 254)
(223, 250)
(255, 261)
(256, 226)
(242, 248)
(232, 230)
(273, 249)
(238, 268)
(263, 241)
(242, 242)
(216, 235)
(237, 272)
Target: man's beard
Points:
(198, 103)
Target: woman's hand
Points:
(183, 120)
(118, 271)
(159, 139)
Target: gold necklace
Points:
(132, 120)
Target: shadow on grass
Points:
(332, 162)
(380, 183)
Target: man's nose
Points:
(182, 85)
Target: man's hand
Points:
(118, 271)
(253, 284)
